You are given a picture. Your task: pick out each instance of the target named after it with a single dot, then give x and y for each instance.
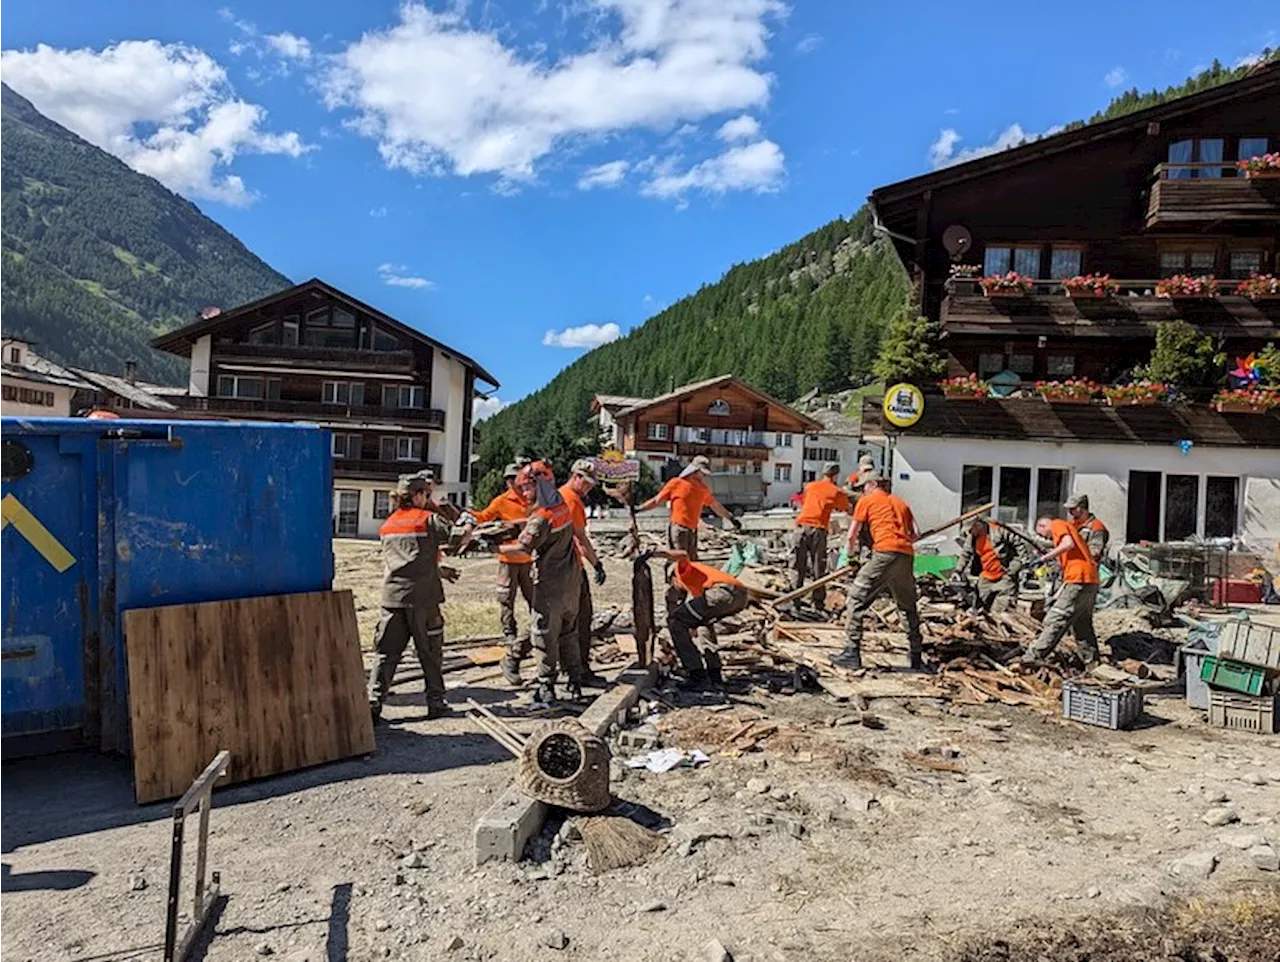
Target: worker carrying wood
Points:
(582, 478)
(412, 537)
(809, 551)
(548, 536)
(1096, 535)
(710, 596)
(1073, 607)
(998, 557)
(891, 567)
(515, 572)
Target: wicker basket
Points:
(564, 764)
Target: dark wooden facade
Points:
(1135, 198)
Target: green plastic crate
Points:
(1233, 675)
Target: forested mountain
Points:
(807, 316)
(97, 259)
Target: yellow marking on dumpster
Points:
(13, 511)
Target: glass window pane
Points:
(1022, 363)
(1015, 495)
(1211, 152)
(1181, 493)
(273, 389)
(1202, 261)
(1065, 262)
(990, 364)
(249, 387)
(1172, 262)
(996, 260)
(343, 319)
(357, 394)
(1026, 261)
(1061, 365)
(975, 486)
(1051, 491)
(226, 386)
(1180, 153)
(1245, 263)
(1252, 147)
(1220, 507)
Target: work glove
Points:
(467, 519)
(737, 525)
(600, 575)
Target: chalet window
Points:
(289, 330)
(658, 432)
(1024, 259)
(1060, 365)
(1182, 492)
(1251, 147)
(1242, 264)
(1065, 261)
(346, 446)
(400, 449)
(1186, 262)
(783, 440)
(1022, 363)
(264, 334)
(343, 392)
(330, 328)
(990, 364)
(808, 476)
(1016, 490)
(1015, 495)
(821, 454)
(1221, 508)
(15, 355)
(381, 504)
(1051, 491)
(1199, 150)
(782, 472)
(384, 340)
(248, 388)
(975, 486)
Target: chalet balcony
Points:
(339, 358)
(688, 449)
(1199, 196)
(1133, 311)
(280, 410)
(368, 470)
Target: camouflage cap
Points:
(1077, 501)
(585, 468)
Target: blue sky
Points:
(527, 178)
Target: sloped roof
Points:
(715, 382)
(615, 401)
(179, 341)
(835, 423)
(139, 392)
(42, 370)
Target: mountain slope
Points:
(98, 259)
(809, 315)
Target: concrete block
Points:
(602, 712)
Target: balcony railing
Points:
(1052, 287)
(305, 355)
(1210, 193)
(284, 410)
(691, 448)
(380, 470)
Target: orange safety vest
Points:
(992, 567)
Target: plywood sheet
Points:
(277, 681)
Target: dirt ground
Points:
(1051, 841)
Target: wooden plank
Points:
(278, 681)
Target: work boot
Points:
(511, 671)
(545, 694)
(589, 679)
(438, 709)
(715, 672)
(696, 680)
(573, 689)
(850, 658)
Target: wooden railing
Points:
(1193, 171)
(329, 355)
(1183, 193)
(360, 467)
(1044, 286)
(288, 410)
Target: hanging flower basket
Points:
(1187, 287)
(1011, 284)
(1260, 287)
(1261, 167)
(963, 388)
(1137, 394)
(965, 278)
(1246, 400)
(1071, 391)
(1085, 286)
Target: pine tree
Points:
(910, 351)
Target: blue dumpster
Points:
(103, 516)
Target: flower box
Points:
(1083, 295)
(1068, 400)
(1262, 167)
(1010, 285)
(1137, 393)
(1133, 402)
(1239, 407)
(1260, 287)
(1264, 175)
(964, 388)
(1246, 400)
(1095, 286)
(1185, 287)
(1070, 391)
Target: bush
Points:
(910, 351)
(1183, 357)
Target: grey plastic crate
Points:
(1114, 708)
(1243, 713)
(1193, 655)
(1252, 643)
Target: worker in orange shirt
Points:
(1073, 607)
(1096, 535)
(809, 552)
(711, 595)
(1000, 557)
(515, 571)
(890, 567)
(582, 478)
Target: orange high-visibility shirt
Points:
(890, 521)
(576, 505)
(696, 578)
(1077, 564)
(687, 497)
(821, 497)
(992, 566)
(508, 506)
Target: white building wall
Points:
(198, 377)
(448, 394)
(927, 474)
(61, 407)
(367, 523)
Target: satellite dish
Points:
(957, 240)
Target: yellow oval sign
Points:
(903, 405)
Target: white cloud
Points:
(290, 45)
(809, 43)
(757, 167)
(483, 408)
(441, 96)
(943, 153)
(604, 175)
(378, 211)
(397, 275)
(166, 110)
(744, 127)
(588, 336)
(1115, 76)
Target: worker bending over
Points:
(1073, 607)
(548, 537)
(582, 478)
(515, 572)
(891, 567)
(710, 595)
(809, 553)
(1000, 556)
(412, 538)
(1096, 535)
